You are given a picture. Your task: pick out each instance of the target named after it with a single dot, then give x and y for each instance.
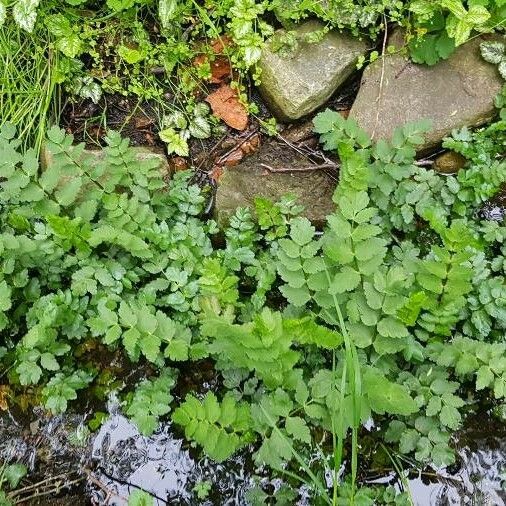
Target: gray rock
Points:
(453, 93)
(295, 86)
(142, 153)
(240, 185)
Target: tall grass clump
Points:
(27, 82)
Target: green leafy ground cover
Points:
(396, 313)
(147, 50)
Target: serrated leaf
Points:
(5, 296)
(25, 13)
(296, 296)
(409, 441)
(392, 327)
(211, 407)
(67, 194)
(175, 142)
(434, 406)
(345, 280)
(386, 396)
(150, 346)
(450, 417)
(71, 46)
(298, 429)
(49, 362)
(14, 473)
(301, 231)
(502, 68)
(200, 128)
(29, 373)
(493, 51)
(166, 11)
(484, 377)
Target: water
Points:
(108, 466)
(125, 460)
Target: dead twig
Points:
(41, 484)
(300, 169)
(109, 493)
(424, 163)
(51, 490)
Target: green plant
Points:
(395, 312)
(178, 129)
(221, 428)
(444, 24)
(140, 498)
(150, 401)
(202, 489)
(10, 477)
(71, 222)
(495, 52)
(28, 81)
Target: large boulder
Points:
(240, 185)
(294, 86)
(456, 92)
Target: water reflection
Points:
(118, 460)
(125, 460)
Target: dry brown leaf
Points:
(233, 158)
(251, 145)
(218, 45)
(143, 121)
(226, 105)
(177, 163)
(220, 68)
(216, 173)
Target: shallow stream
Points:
(106, 467)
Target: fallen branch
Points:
(300, 169)
(49, 486)
(108, 492)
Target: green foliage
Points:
(111, 255)
(395, 312)
(221, 428)
(12, 474)
(495, 53)
(61, 389)
(202, 489)
(150, 401)
(10, 477)
(140, 498)
(418, 295)
(435, 44)
(262, 346)
(442, 25)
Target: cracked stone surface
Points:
(453, 93)
(294, 86)
(240, 185)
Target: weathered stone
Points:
(449, 162)
(453, 93)
(142, 153)
(294, 86)
(240, 185)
